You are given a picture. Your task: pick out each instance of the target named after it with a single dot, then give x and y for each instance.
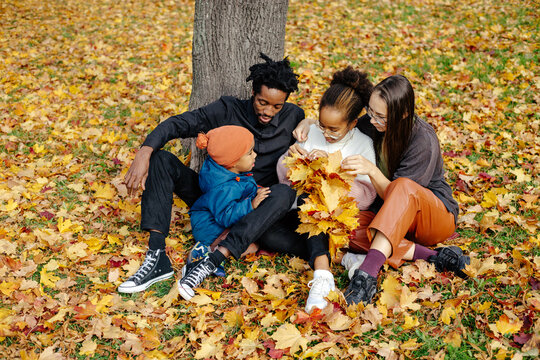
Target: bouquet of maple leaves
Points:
(328, 208)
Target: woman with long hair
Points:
(414, 208)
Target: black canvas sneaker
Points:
(156, 267)
(193, 275)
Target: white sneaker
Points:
(351, 262)
(320, 287)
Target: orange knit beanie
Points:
(226, 144)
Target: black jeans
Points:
(283, 238)
(168, 175)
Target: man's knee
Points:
(283, 194)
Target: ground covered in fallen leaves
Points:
(81, 84)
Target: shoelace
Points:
(318, 285)
(147, 265)
(197, 275)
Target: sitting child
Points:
(229, 190)
(340, 106)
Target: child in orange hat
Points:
(229, 192)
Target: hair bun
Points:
(202, 141)
(354, 79)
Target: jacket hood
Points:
(212, 174)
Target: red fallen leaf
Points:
(116, 161)
(522, 338)
(227, 286)
(303, 317)
(462, 186)
(486, 176)
(527, 321)
(47, 215)
(535, 284)
(39, 328)
(451, 154)
(275, 353)
(46, 188)
(272, 351)
(117, 263)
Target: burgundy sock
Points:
(373, 262)
(422, 252)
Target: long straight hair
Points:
(398, 94)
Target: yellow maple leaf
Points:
(490, 199)
(11, 205)
(447, 315)
(104, 191)
(48, 279)
(520, 175)
(410, 322)
(453, 338)
(88, 347)
(8, 287)
(391, 291)
(507, 326)
(288, 336)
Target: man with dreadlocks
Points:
(159, 173)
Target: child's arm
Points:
(227, 208)
(363, 193)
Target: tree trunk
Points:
(228, 36)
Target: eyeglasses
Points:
(378, 119)
(334, 135)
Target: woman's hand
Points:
(358, 165)
(302, 129)
(314, 154)
(138, 171)
(296, 149)
(262, 193)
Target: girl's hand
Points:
(302, 129)
(296, 149)
(262, 193)
(358, 165)
(314, 154)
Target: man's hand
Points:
(262, 193)
(302, 129)
(296, 149)
(138, 171)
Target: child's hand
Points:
(297, 149)
(314, 154)
(262, 193)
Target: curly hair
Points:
(273, 74)
(349, 92)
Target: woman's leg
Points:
(409, 211)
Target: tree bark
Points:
(228, 36)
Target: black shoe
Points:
(193, 275)
(156, 267)
(362, 288)
(450, 259)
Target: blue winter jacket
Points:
(226, 199)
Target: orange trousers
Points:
(410, 214)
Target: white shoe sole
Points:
(142, 287)
(185, 293)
